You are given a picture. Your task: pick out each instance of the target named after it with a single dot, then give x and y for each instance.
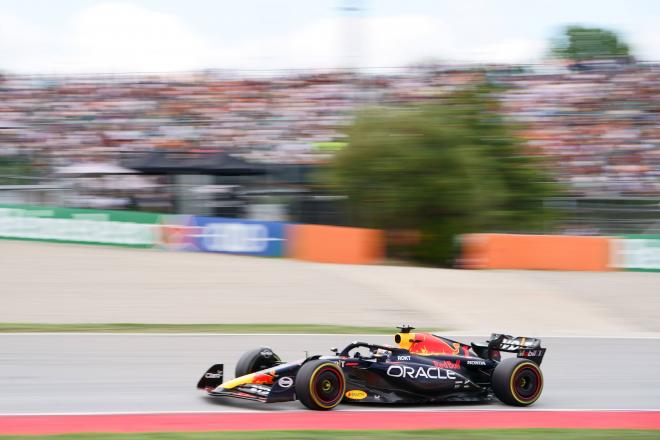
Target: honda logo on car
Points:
(415, 373)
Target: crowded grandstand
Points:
(597, 125)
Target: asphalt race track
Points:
(122, 373)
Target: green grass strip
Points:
(497, 434)
(193, 328)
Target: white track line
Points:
(256, 411)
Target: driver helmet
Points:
(382, 352)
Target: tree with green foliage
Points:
(441, 169)
(581, 44)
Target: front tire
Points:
(320, 385)
(517, 382)
(256, 360)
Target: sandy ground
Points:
(46, 282)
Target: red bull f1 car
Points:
(420, 368)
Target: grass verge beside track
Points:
(191, 328)
(498, 434)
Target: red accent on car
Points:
(263, 379)
(448, 364)
(427, 343)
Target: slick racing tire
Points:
(517, 382)
(256, 360)
(320, 385)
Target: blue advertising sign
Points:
(236, 236)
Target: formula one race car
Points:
(422, 368)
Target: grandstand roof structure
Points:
(179, 162)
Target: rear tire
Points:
(256, 360)
(320, 385)
(517, 382)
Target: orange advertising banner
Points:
(547, 252)
(335, 244)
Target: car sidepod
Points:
(417, 379)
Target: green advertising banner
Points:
(637, 252)
(44, 223)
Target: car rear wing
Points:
(524, 347)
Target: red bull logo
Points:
(427, 344)
(263, 378)
(448, 364)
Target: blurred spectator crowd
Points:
(599, 128)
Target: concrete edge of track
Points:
(333, 420)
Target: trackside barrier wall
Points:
(330, 244)
(178, 232)
(636, 252)
(235, 236)
(119, 228)
(192, 233)
(335, 244)
(224, 235)
(547, 252)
